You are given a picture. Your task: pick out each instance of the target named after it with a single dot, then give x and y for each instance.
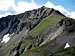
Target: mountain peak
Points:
(25, 32)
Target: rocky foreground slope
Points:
(39, 32)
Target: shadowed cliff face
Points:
(28, 30)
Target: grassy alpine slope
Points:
(49, 21)
(45, 23)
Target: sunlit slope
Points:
(45, 23)
(49, 21)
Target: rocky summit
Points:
(38, 32)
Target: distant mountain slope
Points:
(27, 31)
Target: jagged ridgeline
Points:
(38, 32)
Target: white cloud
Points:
(6, 4)
(24, 6)
(49, 4)
(72, 14)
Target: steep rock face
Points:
(56, 46)
(69, 24)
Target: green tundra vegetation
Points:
(49, 21)
(44, 24)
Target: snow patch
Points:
(67, 45)
(6, 38)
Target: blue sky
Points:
(8, 7)
(66, 3)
